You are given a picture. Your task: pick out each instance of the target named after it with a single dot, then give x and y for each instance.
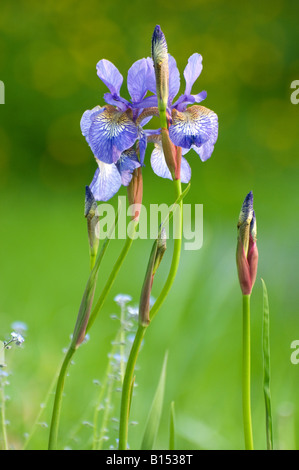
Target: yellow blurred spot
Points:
(52, 71)
(274, 125)
(65, 142)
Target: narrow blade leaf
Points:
(266, 362)
(172, 445)
(154, 416)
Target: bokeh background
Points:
(48, 53)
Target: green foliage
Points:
(153, 420)
(172, 445)
(266, 363)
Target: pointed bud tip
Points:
(246, 213)
(159, 46)
(158, 34)
(90, 203)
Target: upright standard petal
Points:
(110, 75)
(192, 71)
(195, 126)
(137, 80)
(174, 79)
(106, 182)
(111, 132)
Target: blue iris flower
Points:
(111, 130)
(194, 127)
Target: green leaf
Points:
(266, 362)
(154, 416)
(172, 427)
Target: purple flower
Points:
(193, 127)
(108, 178)
(111, 130)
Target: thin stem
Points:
(58, 399)
(3, 418)
(163, 118)
(79, 332)
(114, 272)
(128, 379)
(175, 258)
(246, 374)
(41, 410)
(127, 388)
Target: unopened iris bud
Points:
(161, 248)
(156, 256)
(135, 193)
(247, 253)
(91, 214)
(170, 152)
(160, 59)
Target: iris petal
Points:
(137, 80)
(161, 169)
(184, 100)
(110, 75)
(174, 78)
(106, 182)
(158, 162)
(86, 120)
(111, 132)
(192, 71)
(127, 163)
(116, 100)
(185, 171)
(195, 126)
(142, 143)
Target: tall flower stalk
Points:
(179, 132)
(247, 259)
(79, 333)
(128, 379)
(115, 134)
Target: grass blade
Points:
(266, 362)
(154, 416)
(172, 445)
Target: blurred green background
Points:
(48, 53)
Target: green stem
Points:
(3, 418)
(127, 388)
(114, 272)
(163, 117)
(58, 399)
(128, 379)
(175, 258)
(41, 411)
(246, 374)
(79, 328)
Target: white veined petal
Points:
(158, 162)
(106, 181)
